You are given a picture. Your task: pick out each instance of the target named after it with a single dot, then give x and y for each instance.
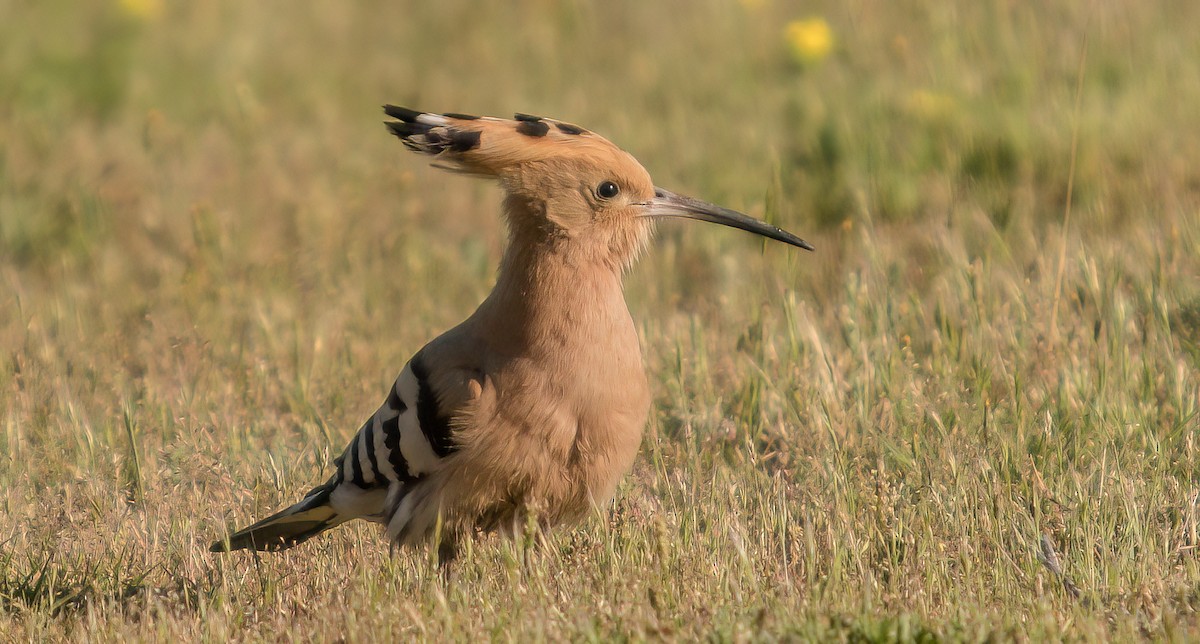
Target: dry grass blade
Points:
(1049, 558)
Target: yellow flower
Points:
(142, 9)
(810, 40)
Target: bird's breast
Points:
(557, 430)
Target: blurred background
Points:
(151, 129)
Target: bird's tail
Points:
(290, 527)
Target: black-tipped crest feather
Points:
(402, 113)
(432, 134)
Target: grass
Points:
(214, 261)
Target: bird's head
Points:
(566, 186)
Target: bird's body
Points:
(536, 403)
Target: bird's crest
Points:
(488, 146)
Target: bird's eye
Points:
(607, 190)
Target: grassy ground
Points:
(214, 261)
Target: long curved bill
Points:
(669, 204)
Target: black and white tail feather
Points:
(404, 440)
(289, 527)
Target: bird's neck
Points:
(551, 297)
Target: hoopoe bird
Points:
(534, 407)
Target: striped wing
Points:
(404, 440)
